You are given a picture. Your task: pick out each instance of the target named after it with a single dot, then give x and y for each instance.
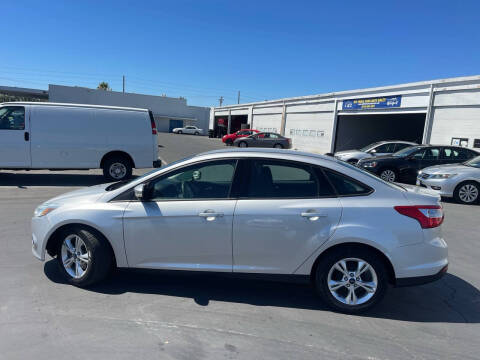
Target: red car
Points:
(230, 138)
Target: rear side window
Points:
(345, 185)
(401, 146)
(385, 148)
(281, 179)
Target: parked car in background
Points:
(404, 165)
(264, 139)
(36, 135)
(253, 211)
(376, 149)
(190, 129)
(230, 138)
(460, 181)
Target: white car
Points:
(376, 149)
(192, 130)
(261, 211)
(72, 136)
(460, 181)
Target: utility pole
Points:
(124, 84)
(221, 100)
(238, 97)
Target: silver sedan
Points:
(460, 181)
(264, 139)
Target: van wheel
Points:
(84, 258)
(117, 168)
(351, 280)
(467, 192)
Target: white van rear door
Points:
(14, 137)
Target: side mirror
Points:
(373, 151)
(140, 192)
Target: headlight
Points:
(441, 176)
(370, 164)
(44, 209)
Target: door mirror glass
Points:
(373, 151)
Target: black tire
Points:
(278, 146)
(229, 142)
(179, 132)
(101, 257)
(384, 175)
(326, 263)
(119, 162)
(467, 185)
(196, 133)
(242, 144)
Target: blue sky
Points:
(266, 49)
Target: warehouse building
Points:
(438, 112)
(169, 112)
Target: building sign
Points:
(372, 103)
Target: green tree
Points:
(103, 86)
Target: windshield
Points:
(407, 151)
(368, 147)
(119, 184)
(475, 162)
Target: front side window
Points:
(209, 180)
(12, 118)
(281, 179)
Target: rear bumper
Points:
(157, 163)
(420, 280)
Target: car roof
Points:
(262, 151)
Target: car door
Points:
(430, 157)
(187, 223)
(285, 211)
(14, 137)
(452, 155)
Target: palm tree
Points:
(103, 86)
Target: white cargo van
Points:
(71, 136)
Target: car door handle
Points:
(313, 215)
(210, 214)
(26, 136)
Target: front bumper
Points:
(443, 187)
(40, 229)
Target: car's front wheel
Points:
(229, 142)
(179, 131)
(388, 175)
(351, 280)
(467, 192)
(84, 257)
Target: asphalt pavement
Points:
(158, 315)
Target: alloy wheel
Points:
(388, 175)
(75, 256)
(352, 281)
(468, 193)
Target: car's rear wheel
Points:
(242, 144)
(351, 280)
(388, 175)
(83, 256)
(117, 168)
(467, 192)
(278, 146)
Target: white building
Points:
(168, 112)
(439, 112)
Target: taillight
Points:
(429, 216)
(152, 123)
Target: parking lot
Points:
(152, 315)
